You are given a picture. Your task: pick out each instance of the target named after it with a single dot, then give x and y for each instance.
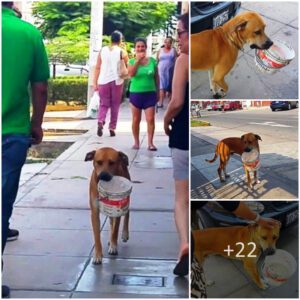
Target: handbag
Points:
(122, 69)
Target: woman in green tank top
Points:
(144, 89)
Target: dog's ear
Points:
(241, 26)
(124, 158)
(258, 137)
(242, 137)
(90, 155)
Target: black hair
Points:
(8, 4)
(139, 39)
(184, 18)
(169, 38)
(116, 36)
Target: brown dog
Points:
(228, 146)
(107, 162)
(217, 49)
(253, 239)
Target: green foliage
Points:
(136, 19)
(68, 89)
(53, 17)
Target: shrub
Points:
(68, 88)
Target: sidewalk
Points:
(278, 172)
(52, 257)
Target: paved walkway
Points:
(52, 257)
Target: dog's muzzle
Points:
(269, 251)
(266, 45)
(105, 176)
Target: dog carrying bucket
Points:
(114, 196)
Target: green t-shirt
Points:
(144, 78)
(24, 61)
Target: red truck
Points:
(232, 105)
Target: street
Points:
(279, 155)
(282, 23)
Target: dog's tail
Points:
(215, 157)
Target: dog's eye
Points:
(264, 238)
(100, 162)
(258, 32)
(274, 237)
(111, 163)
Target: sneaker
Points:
(12, 234)
(100, 129)
(5, 291)
(112, 132)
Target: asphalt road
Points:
(275, 125)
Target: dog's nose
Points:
(267, 44)
(104, 176)
(269, 251)
(247, 149)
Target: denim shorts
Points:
(180, 164)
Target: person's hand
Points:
(167, 128)
(140, 56)
(95, 87)
(36, 134)
(268, 222)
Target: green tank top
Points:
(144, 78)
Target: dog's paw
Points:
(112, 250)
(257, 181)
(97, 259)
(125, 236)
(227, 175)
(264, 285)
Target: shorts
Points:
(143, 100)
(180, 160)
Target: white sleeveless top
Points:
(109, 65)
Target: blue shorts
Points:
(143, 100)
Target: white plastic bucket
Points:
(114, 196)
(278, 268)
(276, 57)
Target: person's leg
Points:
(161, 98)
(14, 151)
(116, 95)
(105, 96)
(136, 119)
(150, 119)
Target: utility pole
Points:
(95, 41)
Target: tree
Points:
(131, 18)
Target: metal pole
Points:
(95, 41)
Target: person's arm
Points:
(132, 69)
(156, 77)
(244, 212)
(180, 78)
(125, 57)
(97, 72)
(39, 102)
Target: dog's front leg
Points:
(256, 179)
(125, 231)
(251, 267)
(96, 231)
(114, 232)
(210, 76)
(249, 183)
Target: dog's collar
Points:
(253, 165)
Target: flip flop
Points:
(135, 147)
(182, 267)
(152, 148)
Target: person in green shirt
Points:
(24, 64)
(144, 92)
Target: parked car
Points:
(283, 105)
(217, 106)
(209, 107)
(232, 105)
(69, 70)
(284, 211)
(209, 15)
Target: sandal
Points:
(135, 147)
(182, 267)
(152, 148)
(100, 129)
(112, 132)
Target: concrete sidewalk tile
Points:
(124, 295)
(49, 273)
(217, 270)
(145, 245)
(41, 218)
(149, 221)
(98, 279)
(247, 290)
(45, 242)
(39, 294)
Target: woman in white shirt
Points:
(108, 83)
